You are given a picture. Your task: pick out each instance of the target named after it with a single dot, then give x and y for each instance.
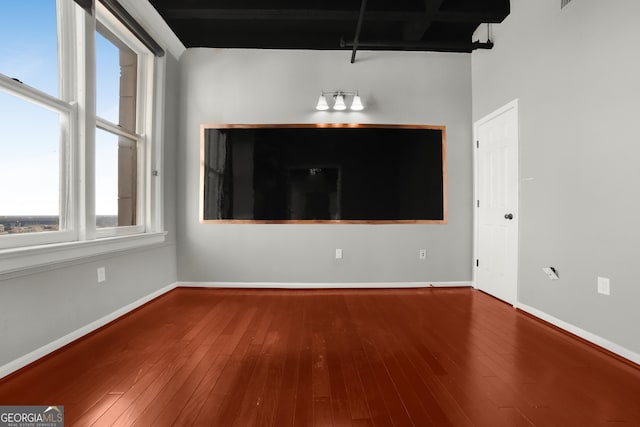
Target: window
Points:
(37, 136)
(77, 160)
(121, 71)
(31, 199)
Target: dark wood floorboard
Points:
(356, 358)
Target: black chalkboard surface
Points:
(363, 173)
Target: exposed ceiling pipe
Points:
(442, 46)
(356, 38)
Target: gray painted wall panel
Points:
(575, 73)
(40, 308)
(37, 309)
(260, 86)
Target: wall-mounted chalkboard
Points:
(323, 173)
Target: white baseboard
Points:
(78, 333)
(291, 285)
(595, 339)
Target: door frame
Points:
(476, 229)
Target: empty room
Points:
(337, 213)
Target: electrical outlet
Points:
(604, 286)
(102, 274)
(338, 253)
(422, 254)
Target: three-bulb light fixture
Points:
(339, 104)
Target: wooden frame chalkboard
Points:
(323, 173)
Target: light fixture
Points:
(339, 104)
(356, 105)
(322, 103)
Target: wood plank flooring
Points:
(413, 357)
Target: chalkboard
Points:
(313, 173)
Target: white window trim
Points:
(155, 159)
(83, 241)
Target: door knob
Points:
(508, 216)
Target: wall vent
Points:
(563, 3)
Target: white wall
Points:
(38, 309)
(576, 75)
(269, 86)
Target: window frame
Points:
(66, 106)
(76, 104)
(144, 101)
(67, 113)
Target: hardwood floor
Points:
(443, 357)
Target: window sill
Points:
(32, 259)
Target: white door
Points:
(496, 180)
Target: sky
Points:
(29, 134)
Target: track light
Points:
(339, 104)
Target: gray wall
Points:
(37, 309)
(575, 74)
(266, 86)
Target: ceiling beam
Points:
(414, 30)
(491, 16)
